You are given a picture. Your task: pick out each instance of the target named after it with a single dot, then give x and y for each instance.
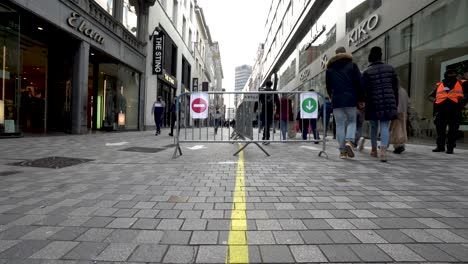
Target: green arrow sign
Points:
(309, 105)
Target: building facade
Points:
(420, 39)
(181, 57)
(242, 75)
(72, 65)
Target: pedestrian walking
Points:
(173, 113)
(398, 133)
(268, 103)
(449, 97)
(158, 111)
(381, 91)
(359, 139)
(217, 121)
(344, 86)
(286, 114)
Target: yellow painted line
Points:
(238, 248)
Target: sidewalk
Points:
(140, 206)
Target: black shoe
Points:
(449, 151)
(399, 150)
(438, 149)
(170, 134)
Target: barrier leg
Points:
(266, 153)
(177, 148)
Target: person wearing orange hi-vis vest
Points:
(449, 97)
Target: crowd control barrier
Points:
(204, 117)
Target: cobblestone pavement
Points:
(143, 207)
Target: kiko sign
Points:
(361, 33)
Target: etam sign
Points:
(361, 33)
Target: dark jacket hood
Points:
(345, 57)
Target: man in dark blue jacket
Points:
(344, 85)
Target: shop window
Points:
(360, 12)
(108, 5)
(130, 19)
(175, 12)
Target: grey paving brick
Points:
(180, 254)
(363, 213)
(105, 211)
(363, 224)
(316, 224)
(292, 224)
(6, 244)
(260, 238)
(125, 213)
(270, 224)
(394, 236)
(176, 237)
(122, 223)
(18, 220)
(307, 254)
(169, 214)
(400, 252)
(68, 233)
(218, 225)
(321, 214)
(41, 233)
(98, 221)
(432, 223)
(368, 236)
(204, 238)
(430, 252)
(55, 250)
(287, 237)
(315, 237)
(51, 220)
(149, 237)
(339, 253)
(342, 237)
(212, 254)
(149, 253)
(370, 253)
(191, 214)
(75, 221)
(146, 213)
(170, 224)
(340, 224)
(457, 251)
(194, 224)
(421, 236)
(122, 236)
(95, 235)
(446, 235)
(144, 205)
(145, 223)
(276, 254)
(116, 252)
(16, 232)
(24, 249)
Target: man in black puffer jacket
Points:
(344, 86)
(381, 87)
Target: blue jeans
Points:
(345, 125)
(284, 128)
(384, 133)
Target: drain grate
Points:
(52, 162)
(8, 173)
(142, 149)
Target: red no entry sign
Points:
(199, 105)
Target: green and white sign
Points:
(309, 105)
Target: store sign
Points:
(324, 61)
(158, 52)
(361, 33)
(304, 75)
(82, 26)
(169, 79)
(195, 84)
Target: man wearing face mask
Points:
(449, 97)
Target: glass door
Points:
(9, 72)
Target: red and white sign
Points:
(199, 105)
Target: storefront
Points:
(64, 69)
(420, 39)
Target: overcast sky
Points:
(238, 27)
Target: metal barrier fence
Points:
(259, 116)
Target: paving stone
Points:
(176, 237)
(316, 224)
(370, 253)
(149, 237)
(212, 254)
(149, 253)
(180, 254)
(340, 224)
(276, 254)
(432, 223)
(321, 214)
(457, 251)
(268, 224)
(75, 221)
(6, 244)
(204, 238)
(170, 224)
(122, 236)
(400, 252)
(117, 252)
(292, 224)
(54, 250)
(41, 233)
(446, 235)
(128, 213)
(122, 223)
(339, 253)
(16, 232)
(421, 236)
(194, 224)
(342, 237)
(95, 235)
(105, 211)
(98, 222)
(368, 236)
(287, 237)
(394, 236)
(191, 214)
(146, 223)
(68, 233)
(146, 213)
(260, 238)
(23, 249)
(363, 213)
(315, 237)
(307, 254)
(363, 224)
(430, 252)
(218, 225)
